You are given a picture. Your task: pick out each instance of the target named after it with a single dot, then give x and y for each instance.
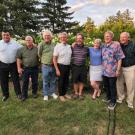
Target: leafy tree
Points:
(118, 23)
(89, 27)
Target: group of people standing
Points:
(111, 62)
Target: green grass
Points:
(74, 117)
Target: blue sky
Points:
(99, 10)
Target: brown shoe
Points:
(75, 96)
(81, 97)
(67, 96)
(62, 98)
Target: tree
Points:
(56, 16)
(20, 16)
(89, 27)
(118, 23)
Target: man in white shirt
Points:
(62, 57)
(8, 50)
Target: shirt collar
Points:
(6, 42)
(81, 46)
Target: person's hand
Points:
(117, 73)
(73, 44)
(57, 72)
(20, 71)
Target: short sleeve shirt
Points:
(29, 56)
(8, 51)
(79, 55)
(111, 54)
(63, 52)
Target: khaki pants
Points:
(126, 84)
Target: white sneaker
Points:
(54, 96)
(119, 101)
(130, 106)
(45, 98)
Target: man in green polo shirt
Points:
(27, 64)
(45, 52)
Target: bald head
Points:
(124, 38)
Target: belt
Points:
(30, 67)
(50, 65)
(79, 65)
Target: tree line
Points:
(23, 17)
(31, 16)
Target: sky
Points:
(99, 10)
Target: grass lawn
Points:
(74, 117)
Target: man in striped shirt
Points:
(79, 71)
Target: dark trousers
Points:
(63, 79)
(27, 73)
(5, 69)
(110, 88)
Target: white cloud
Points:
(79, 5)
(99, 10)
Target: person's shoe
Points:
(94, 96)
(130, 106)
(75, 96)
(23, 98)
(34, 96)
(111, 106)
(54, 96)
(119, 101)
(67, 96)
(106, 100)
(81, 97)
(19, 96)
(62, 98)
(99, 93)
(45, 98)
(4, 98)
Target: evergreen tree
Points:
(20, 16)
(56, 16)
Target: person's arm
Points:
(40, 49)
(56, 65)
(73, 45)
(19, 61)
(19, 66)
(118, 67)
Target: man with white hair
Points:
(45, 52)
(112, 56)
(62, 58)
(27, 64)
(128, 71)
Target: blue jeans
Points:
(49, 80)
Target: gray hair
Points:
(63, 33)
(29, 37)
(110, 33)
(98, 40)
(47, 32)
(126, 33)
